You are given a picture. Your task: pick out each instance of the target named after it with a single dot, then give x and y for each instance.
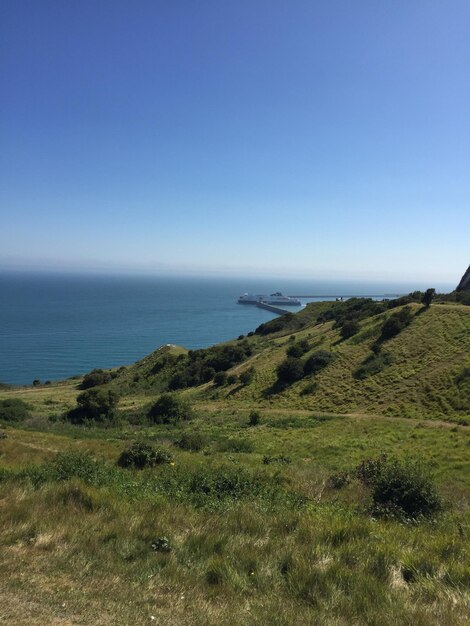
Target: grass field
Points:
(251, 528)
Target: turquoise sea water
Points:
(56, 326)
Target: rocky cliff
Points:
(465, 282)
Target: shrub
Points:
(76, 464)
(318, 361)
(94, 378)
(220, 379)
(247, 376)
(349, 329)
(298, 349)
(400, 487)
(396, 323)
(254, 418)
(13, 410)
(194, 441)
(36, 382)
(140, 455)
(95, 404)
(232, 379)
(200, 366)
(339, 480)
(169, 409)
(240, 337)
(290, 370)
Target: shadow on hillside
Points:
(235, 390)
(422, 310)
(274, 389)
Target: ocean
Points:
(55, 326)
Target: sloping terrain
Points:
(262, 508)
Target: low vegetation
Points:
(140, 455)
(14, 410)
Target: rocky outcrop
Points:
(465, 282)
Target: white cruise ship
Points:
(250, 298)
(274, 298)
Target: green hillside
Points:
(425, 375)
(333, 490)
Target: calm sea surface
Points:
(56, 326)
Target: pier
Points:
(270, 307)
(386, 295)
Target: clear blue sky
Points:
(262, 136)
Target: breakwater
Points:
(387, 295)
(270, 307)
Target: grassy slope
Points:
(73, 553)
(420, 382)
(427, 356)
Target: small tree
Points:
(254, 419)
(396, 323)
(298, 348)
(96, 404)
(349, 328)
(317, 362)
(428, 297)
(290, 370)
(220, 379)
(94, 378)
(169, 409)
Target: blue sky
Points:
(299, 138)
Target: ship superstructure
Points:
(274, 298)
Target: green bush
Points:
(94, 404)
(220, 379)
(396, 323)
(318, 361)
(94, 378)
(254, 418)
(72, 464)
(194, 441)
(13, 410)
(140, 455)
(349, 329)
(298, 349)
(290, 370)
(400, 487)
(232, 379)
(247, 376)
(170, 409)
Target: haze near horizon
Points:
(319, 139)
